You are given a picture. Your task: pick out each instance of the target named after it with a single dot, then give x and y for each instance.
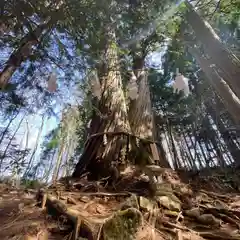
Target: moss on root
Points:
(123, 225)
(131, 202)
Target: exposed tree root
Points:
(103, 194)
(216, 195)
(195, 223)
(167, 214)
(219, 235)
(80, 223)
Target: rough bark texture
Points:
(140, 110)
(24, 51)
(230, 100)
(111, 116)
(227, 63)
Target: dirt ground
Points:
(207, 207)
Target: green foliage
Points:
(172, 106)
(86, 111)
(53, 143)
(75, 42)
(15, 159)
(32, 184)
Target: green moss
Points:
(123, 225)
(131, 202)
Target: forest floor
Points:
(184, 207)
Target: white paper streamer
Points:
(181, 84)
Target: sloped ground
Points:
(183, 207)
(21, 218)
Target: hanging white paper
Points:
(181, 84)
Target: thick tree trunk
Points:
(140, 110)
(102, 150)
(227, 63)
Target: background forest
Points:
(119, 119)
(66, 65)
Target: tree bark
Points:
(230, 100)
(227, 63)
(111, 116)
(140, 110)
(24, 51)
